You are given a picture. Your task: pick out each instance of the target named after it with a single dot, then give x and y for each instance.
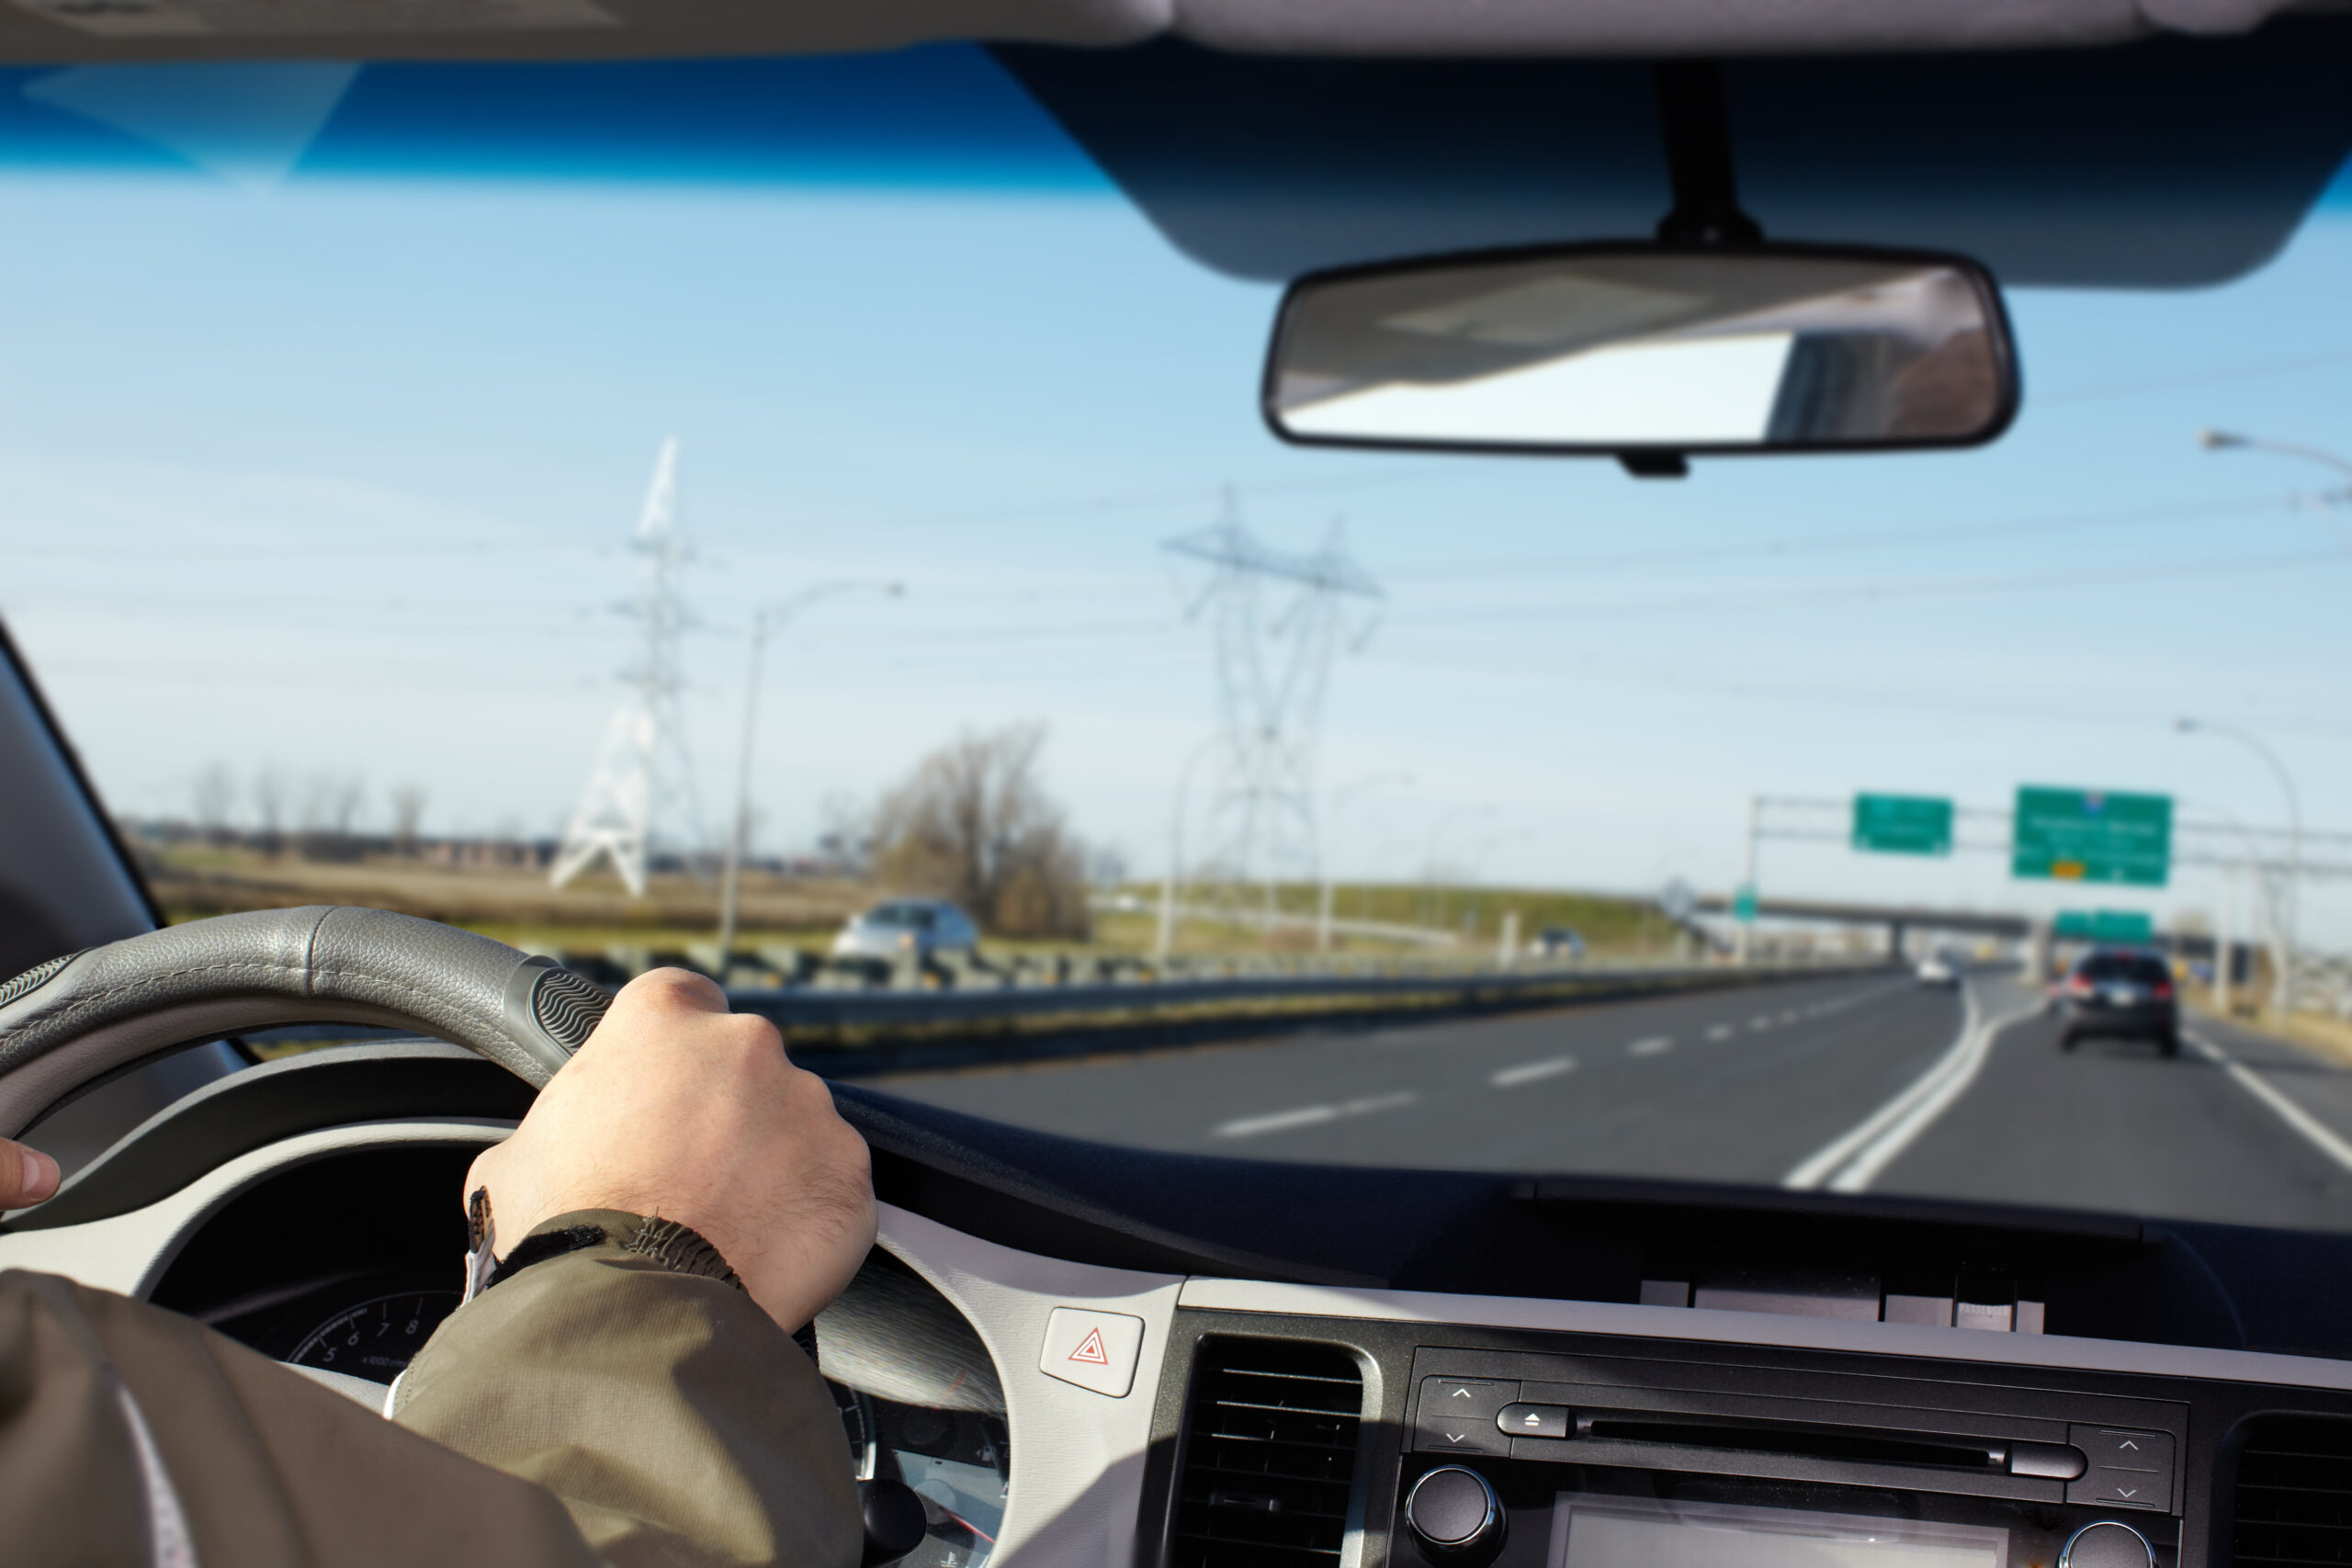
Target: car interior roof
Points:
(67, 31)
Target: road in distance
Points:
(1750, 1084)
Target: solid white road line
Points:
(1311, 1115)
(1650, 1047)
(1528, 1072)
(2287, 1110)
(1853, 1160)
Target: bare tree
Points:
(329, 806)
(408, 814)
(269, 809)
(216, 797)
(845, 834)
(342, 810)
(973, 823)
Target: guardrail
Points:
(885, 1030)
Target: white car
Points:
(915, 927)
(1942, 969)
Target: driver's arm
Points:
(632, 1397)
(675, 1113)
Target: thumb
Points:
(27, 1176)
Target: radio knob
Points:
(1455, 1515)
(2109, 1543)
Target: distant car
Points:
(908, 928)
(2123, 994)
(1940, 968)
(1557, 942)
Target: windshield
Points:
(654, 513)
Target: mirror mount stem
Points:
(1650, 464)
(1697, 127)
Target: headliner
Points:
(76, 32)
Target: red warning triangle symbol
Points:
(1090, 1349)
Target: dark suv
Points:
(2127, 994)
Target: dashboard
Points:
(1053, 1404)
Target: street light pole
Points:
(1479, 864)
(1339, 800)
(771, 618)
(2283, 998)
(1741, 930)
(2230, 441)
(1429, 861)
(1166, 941)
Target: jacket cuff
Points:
(679, 1248)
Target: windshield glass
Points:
(652, 514)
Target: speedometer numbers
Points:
(377, 1338)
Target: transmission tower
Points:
(643, 778)
(1278, 617)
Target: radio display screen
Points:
(1590, 1531)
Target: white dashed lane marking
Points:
(1313, 1116)
(1650, 1047)
(1528, 1072)
(1721, 1031)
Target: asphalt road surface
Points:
(1850, 1085)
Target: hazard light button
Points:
(1093, 1349)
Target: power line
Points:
(1868, 539)
(1912, 588)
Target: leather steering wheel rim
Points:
(73, 1020)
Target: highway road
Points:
(1850, 1085)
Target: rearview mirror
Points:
(1645, 353)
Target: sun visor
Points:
(1650, 27)
(2165, 163)
(62, 32)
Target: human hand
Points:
(677, 1108)
(27, 1176)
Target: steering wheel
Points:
(73, 1019)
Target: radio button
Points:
(1457, 1416)
(1455, 1515)
(2055, 1460)
(2109, 1543)
(2122, 1489)
(2112, 1447)
(1533, 1420)
(2129, 1469)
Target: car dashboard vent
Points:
(1269, 1453)
(2293, 1502)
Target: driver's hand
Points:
(677, 1108)
(27, 1176)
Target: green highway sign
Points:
(2106, 925)
(1901, 825)
(1743, 904)
(2083, 835)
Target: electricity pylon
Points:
(1279, 617)
(643, 774)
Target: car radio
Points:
(1544, 1461)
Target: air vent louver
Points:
(2293, 1503)
(1270, 1451)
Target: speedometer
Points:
(376, 1338)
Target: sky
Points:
(312, 465)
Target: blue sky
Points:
(330, 471)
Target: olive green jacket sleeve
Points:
(133, 1436)
(592, 1408)
(675, 1420)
